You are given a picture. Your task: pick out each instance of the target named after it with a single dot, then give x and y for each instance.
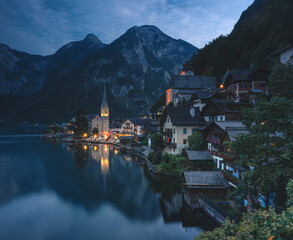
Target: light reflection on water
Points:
(50, 190)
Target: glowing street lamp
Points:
(95, 148)
(85, 147)
(95, 136)
(85, 135)
(221, 86)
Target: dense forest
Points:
(264, 28)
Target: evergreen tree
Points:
(156, 141)
(81, 125)
(281, 80)
(196, 142)
(267, 149)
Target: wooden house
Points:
(243, 85)
(222, 110)
(210, 183)
(200, 160)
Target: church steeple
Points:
(104, 101)
(105, 113)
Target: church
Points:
(102, 123)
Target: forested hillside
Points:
(265, 27)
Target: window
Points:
(262, 85)
(243, 95)
(243, 86)
(184, 131)
(193, 130)
(184, 141)
(167, 119)
(174, 130)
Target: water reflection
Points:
(90, 177)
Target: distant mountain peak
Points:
(93, 39)
(144, 29)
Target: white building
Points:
(178, 124)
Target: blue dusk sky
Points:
(43, 26)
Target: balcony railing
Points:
(167, 134)
(227, 156)
(170, 144)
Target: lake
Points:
(49, 190)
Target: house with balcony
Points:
(219, 135)
(222, 110)
(127, 128)
(177, 124)
(244, 85)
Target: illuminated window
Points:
(184, 130)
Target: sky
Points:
(43, 26)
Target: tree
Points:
(258, 225)
(267, 149)
(281, 80)
(81, 125)
(196, 142)
(156, 141)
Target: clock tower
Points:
(105, 113)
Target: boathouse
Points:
(200, 160)
(211, 183)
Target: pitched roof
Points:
(199, 155)
(230, 125)
(234, 132)
(205, 94)
(205, 179)
(180, 116)
(223, 103)
(193, 82)
(104, 101)
(240, 74)
(90, 117)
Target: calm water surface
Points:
(49, 190)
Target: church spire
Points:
(104, 101)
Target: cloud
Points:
(43, 26)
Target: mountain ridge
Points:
(136, 67)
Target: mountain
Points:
(136, 68)
(262, 29)
(21, 73)
(71, 55)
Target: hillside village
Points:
(191, 136)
